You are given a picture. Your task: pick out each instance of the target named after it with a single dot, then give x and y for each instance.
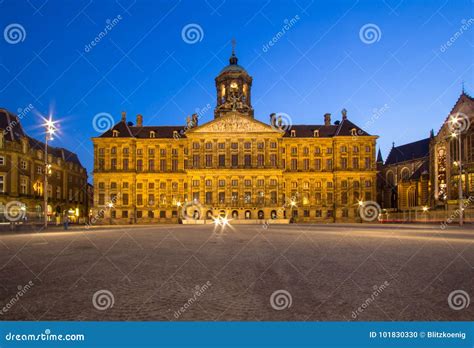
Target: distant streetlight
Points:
(50, 129)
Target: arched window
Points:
(390, 178)
(411, 197)
(405, 174)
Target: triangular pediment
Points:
(234, 123)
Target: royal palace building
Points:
(22, 171)
(234, 165)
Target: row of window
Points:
(235, 161)
(234, 146)
(235, 198)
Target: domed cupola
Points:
(233, 86)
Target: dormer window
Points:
(353, 132)
(316, 133)
(152, 134)
(293, 133)
(115, 133)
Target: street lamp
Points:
(50, 129)
(457, 133)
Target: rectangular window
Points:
(221, 160)
(124, 214)
(163, 165)
(367, 163)
(273, 160)
(328, 164)
(2, 160)
(139, 165)
(139, 199)
(355, 163)
(125, 164)
(208, 197)
(208, 161)
(196, 161)
(306, 164)
(294, 164)
(101, 199)
(247, 160)
(344, 163)
(151, 165)
(174, 165)
(260, 160)
(317, 164)
(235, 160)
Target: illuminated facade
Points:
(22, 177)
(425, 173)
(234, 165)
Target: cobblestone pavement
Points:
(291, 272)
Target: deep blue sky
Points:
(320, 65)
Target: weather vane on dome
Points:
(233, 45)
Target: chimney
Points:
(344, 114)
(272, 119)
(327, 119)
(139, 120)
(124, 116)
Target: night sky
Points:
(387, 62)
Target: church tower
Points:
(233, 86)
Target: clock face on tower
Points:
(233, 87)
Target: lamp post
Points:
(50, 129)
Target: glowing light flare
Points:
(425, 209)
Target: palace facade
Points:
(234, 165)
(22, 170)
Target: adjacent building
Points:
(234, 165)
(425, 173)
(22, 170)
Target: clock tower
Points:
(233, 86)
